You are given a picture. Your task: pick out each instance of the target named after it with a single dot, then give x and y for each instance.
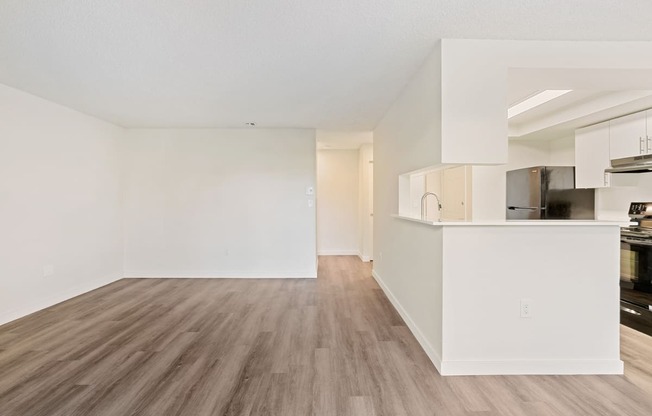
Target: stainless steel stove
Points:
(641, 214)
(636, 269)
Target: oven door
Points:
(636, 263)
(636, 284)
(636, 317)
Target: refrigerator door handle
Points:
(523, 208)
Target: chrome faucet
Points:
(423, 204)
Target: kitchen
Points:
(560, 156)
(611, 158)
(580, 309)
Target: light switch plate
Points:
(310, 191)
(526, 308)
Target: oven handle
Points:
(636, 242)
(630, 310)
(512, 208)
(629, 304)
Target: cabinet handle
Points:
(606, 179)
(641, 145)
(649, 144)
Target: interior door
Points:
(454, 194)
(371, 209)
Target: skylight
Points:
(535, 101)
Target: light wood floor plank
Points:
(333, 346)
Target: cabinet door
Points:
(628, 136)
(592, 156)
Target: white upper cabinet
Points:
(628, 136)
(592, 156)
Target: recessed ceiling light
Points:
(535, 101)
(251, 124)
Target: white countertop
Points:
(512, 223)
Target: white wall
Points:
(417, 189)
(474, 128)
(553, 152)
(562, 151)
(488, 270)
(407, 260)
(338, 215)
(525, 154)
(220, 203)
(613, 203)
(60, 203)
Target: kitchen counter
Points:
(515, 222)
(462, 296)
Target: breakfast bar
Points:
(517, 297)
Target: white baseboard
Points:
(531, 367)
(427, 347)
(312, 274)
(54, 299)
(338, 253)
(365, 259)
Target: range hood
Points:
(635, 164)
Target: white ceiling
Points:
(597, 95)
(329, 64)
(342, 140)
(523, 82)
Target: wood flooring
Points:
(287, 347)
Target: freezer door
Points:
(524, 194)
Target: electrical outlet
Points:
(310, 203)
(48, 270)
(526, 308)
(310, 191)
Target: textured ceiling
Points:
(330, 64)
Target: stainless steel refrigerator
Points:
(547, 193)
